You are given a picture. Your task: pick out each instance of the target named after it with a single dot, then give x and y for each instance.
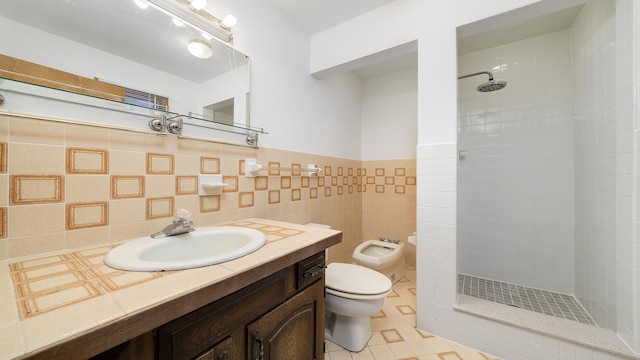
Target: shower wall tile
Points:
(515, 180)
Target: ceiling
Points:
(314, 16)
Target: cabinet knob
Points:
(222, 356)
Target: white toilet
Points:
(353, 294)
(385, 257)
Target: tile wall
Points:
(436, 267)
(516, 172)
(389, 204)
(594, 47)
(68, 186)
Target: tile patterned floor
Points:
(541, 301)
(395, 336)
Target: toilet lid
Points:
(355, 279)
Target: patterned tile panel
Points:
(87, 161)
(36, 189)
(3, 157)
(51, 282)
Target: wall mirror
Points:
(135, 46)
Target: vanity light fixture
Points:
(197, 5)
(142, 4)
(228, 21)
(200, 48)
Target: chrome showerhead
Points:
(489, 86)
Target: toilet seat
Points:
(356, 282)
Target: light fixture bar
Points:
(209, 24)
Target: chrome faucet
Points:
(180, 225)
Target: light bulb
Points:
(198, 4)
(229, 21)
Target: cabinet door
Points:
(224, 350)
(293, 330)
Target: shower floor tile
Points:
(541, 301)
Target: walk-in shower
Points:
(491, 85)
(539, 221)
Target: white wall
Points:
(594, 49)
(515, 180)
(389, 113)
(299, 111)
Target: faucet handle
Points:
(181, 215)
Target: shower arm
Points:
(476, 74)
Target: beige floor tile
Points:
(340, 355)
(382, 352)
(395, 336)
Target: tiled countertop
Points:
(53, 299)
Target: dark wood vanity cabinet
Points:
(278, 317)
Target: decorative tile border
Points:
(313, 193)
(53, 282)
(186, 185)
(273, 233)
(4, 151)
(274, 196)
(391, 336)
(245, 199)
(296, 172)
(262, 183)
(209, 203)
(274, 164)
(285, 182)
(233, 183)
(127, 186)
(3, 222)
(159, 208)
(160, 164)
(35, 189)
(295, 195)
(85, 215)
(87, 161)
(209, 165)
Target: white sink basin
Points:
(202, 247)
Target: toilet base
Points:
(351, 333)
(396, 271)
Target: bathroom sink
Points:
(202, 247)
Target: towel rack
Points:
(251, 168)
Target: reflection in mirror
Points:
(120, 44)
